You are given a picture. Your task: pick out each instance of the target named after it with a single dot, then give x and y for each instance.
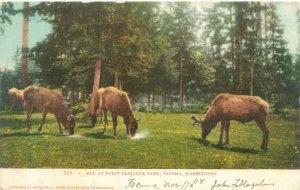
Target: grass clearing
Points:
(163, 141)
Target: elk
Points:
(48, 101)
(117, 102)
(226, 107)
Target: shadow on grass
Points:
(85, 126)
(101, 135)
(15, 123)
(20, 134)
(228, 147)
(26, 134)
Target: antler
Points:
(196, 120)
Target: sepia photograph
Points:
(188, 91)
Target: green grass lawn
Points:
(172, 143)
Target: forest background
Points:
(169, 57)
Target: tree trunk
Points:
(241, 81)
(149, 101)
(95, 85)
(258, 46)
(117, 82)
(120, 85)
(164, 101)
(232, 41)
(180, 85)
(153, 100)
(238, 45)
(251, 78)
(180, 93)
(25, 43)
(171, 102)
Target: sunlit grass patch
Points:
(170, 141)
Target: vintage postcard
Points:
(168, 95)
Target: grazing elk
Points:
(226, 107)
(15, 96)
(48, 101)
(118, 103)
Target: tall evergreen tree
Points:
(182, 27)
(257, 50)
(6, 9)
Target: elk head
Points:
(132, 125)
(205, 126)
(70, 124)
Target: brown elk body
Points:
(48, 101)
(117, 102)
(242, 108)
(15, 96)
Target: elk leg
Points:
(29, 113)
(59, 126)
(105, 120)
(221, 131)
(262, 125)
(100, 117)
(115, 122)
(93, 119)
(227, 125)
(102, 111)
(125, 120)
(42, 122)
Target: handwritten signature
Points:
(238, 183)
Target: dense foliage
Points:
(154, 50)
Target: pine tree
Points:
(6, 9)
(181, 29)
